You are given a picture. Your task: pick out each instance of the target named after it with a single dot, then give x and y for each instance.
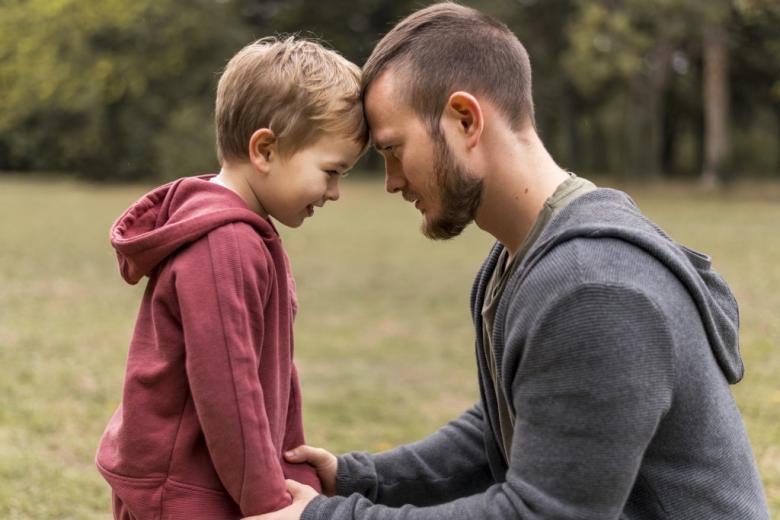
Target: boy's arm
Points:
(222, 369)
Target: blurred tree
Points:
(121, 90)
(715, 84)
(755, 85)
(88, 84)
(630, 50)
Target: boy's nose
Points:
(333, 192)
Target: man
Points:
(605, 349)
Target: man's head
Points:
(297, 89)
(442, 58)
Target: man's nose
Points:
(394, 180)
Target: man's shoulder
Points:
(583, 259)
(613, 263)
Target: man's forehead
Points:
(385, 105)
(380, 93)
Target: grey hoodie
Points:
(615, 347)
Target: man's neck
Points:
(519, 181)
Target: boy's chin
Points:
(294, 222)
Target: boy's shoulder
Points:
(232, 241)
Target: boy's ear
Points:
(262, 148)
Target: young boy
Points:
(211, 397)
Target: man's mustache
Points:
(410, 196)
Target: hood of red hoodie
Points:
(174, 215)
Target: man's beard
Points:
(459, 193)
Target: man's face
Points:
(418, 165)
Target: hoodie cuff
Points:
(310, 511)
(344, 484)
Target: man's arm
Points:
(221, 366)
(594, 381)
(446, 465)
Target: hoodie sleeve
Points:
(222, 368)
(595, 381)
(448, 464)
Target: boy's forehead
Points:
(341, 150)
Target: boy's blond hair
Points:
(296, 88)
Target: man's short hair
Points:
(297, 88)
(448, 47)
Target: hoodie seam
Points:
(175, 442)
(227, 352)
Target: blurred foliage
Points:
(119, 90)
(90, 85)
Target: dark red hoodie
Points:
(211, 396)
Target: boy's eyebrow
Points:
(339, 165)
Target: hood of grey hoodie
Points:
(607, 213)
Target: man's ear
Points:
(463, 113)
(262, 149)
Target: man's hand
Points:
(301, 495)
(323, 461)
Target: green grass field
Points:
(383, 338)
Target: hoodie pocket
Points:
(187, 502)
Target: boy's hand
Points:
(323, 461)
(301, 495)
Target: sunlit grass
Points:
(383, 337)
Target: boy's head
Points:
(298, 89)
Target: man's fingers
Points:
(304, 453)
(300, 491)
(296, 455)
(300, 454)
(294, 487)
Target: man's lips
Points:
(411, 197)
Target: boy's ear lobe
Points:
(262, 147)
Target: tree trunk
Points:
(660, 61)
(716, 104)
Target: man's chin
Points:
(438, 229)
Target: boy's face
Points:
(307, 179)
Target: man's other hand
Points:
(324, 463)
(301, 495)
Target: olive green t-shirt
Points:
(566, 192)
